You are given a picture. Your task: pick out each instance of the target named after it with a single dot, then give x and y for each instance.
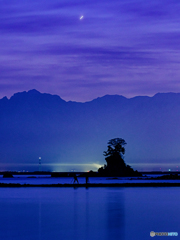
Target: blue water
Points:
(85, 214)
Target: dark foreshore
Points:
(69, 174)
(149, 180)
(150, 184)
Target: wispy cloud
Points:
(45, 45)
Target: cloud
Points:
(127, 42)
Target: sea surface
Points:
(88, 213)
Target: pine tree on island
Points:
(114, 157)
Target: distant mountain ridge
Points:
(34, 124)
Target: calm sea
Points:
(88, 214)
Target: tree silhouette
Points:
(114, 157)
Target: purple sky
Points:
(126, 47)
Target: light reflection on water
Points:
(85, 214)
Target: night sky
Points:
(125, 47)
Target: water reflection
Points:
(87, 225)
(39, 217)
(115, 213)
(98, 214)
(75, 215)
(87, 214)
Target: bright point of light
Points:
(81, 17)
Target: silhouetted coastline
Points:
(150, 184)
(91, 173)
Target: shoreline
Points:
(65, 185)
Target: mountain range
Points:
(73, 135)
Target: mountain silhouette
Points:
(34, 124)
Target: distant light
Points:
(169, 170)
(81, 17)
(40, 164)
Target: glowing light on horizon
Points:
(81, 166)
